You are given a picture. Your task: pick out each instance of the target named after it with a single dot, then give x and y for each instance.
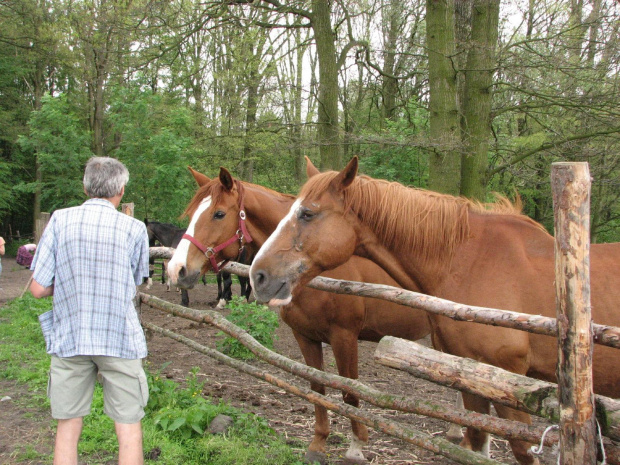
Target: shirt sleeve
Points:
(44, 260)
(140, 262)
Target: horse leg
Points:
(224, 293)
(455, 432)
(149, 280)
(520, 449)
(345, 348)
(184, 298)
(246, 289)
(312, 352)
(474, 439)
(165, 275)
(227, 286)
(218, 277)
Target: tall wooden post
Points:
(127, 208)
(39, 226)
(571, 202)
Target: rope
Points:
(539, 450)
(600, 438)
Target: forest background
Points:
(466, 97)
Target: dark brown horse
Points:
(314, 316)
(484, 255)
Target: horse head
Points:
(214, 233)
(317, 234)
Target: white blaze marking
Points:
(264, 250)
(179, 258)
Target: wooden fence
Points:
(577, 430)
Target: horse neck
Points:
(264, 210)
(429, 240)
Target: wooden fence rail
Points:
(500, 427)
(607, 409)
(426, 441)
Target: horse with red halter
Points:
(449, 247)
(228, 214)
(169, 235)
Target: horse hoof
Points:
(221, 303)
(314, 457)
(354, 461)
(455, 434)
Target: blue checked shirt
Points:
(95, 256)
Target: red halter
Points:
(241, 234)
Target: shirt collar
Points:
(99, 201)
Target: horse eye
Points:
(305, 214)
(218, 215)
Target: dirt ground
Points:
(290, 416)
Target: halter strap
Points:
(241, 234)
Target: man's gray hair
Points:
(104, 177)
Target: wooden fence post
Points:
(570, 184)
(127, 208)
(40, 225)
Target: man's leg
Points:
(67, 437)
(129, 443)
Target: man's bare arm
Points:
(39, 291)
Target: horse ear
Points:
(200, 178)
(311, 170)
(347, 175)
(226, 179)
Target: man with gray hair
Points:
(91, 258)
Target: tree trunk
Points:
(389, 83)
(445, 159)
(328, 130)
(476, 122)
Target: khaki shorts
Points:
(72, 382)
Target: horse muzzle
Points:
(271, 290)
(181, 277)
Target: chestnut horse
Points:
(452, 248)
(314, 316)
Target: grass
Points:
(176, 416)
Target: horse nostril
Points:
(182, 272)
(259, 278)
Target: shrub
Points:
(257, 320)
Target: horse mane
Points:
(394, 211)
(215, 189)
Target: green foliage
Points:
(398, 159)
(22, 350)
(156, 145)
(11, 247)
(256, 319)
(176, 416)
(182, 412)
(62, 148)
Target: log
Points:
(603, 334)
(517, 391)
(434, 444)
(504, 428)
(570, 184)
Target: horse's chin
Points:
(187, 281)
(280, 302)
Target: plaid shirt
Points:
(95, 256)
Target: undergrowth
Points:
(176, 416)
(256, 319)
